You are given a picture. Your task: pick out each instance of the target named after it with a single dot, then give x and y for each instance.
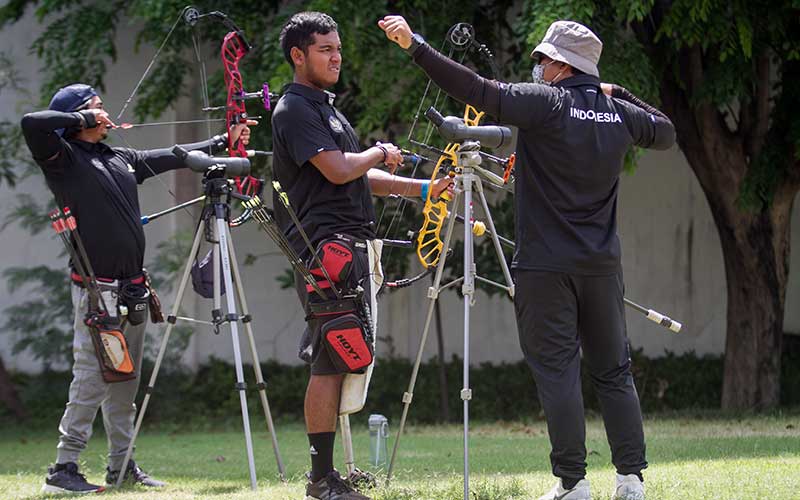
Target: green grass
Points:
(690, 458)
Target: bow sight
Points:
(212, 166)
(453, 129)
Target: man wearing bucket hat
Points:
(99, 185)
(573, 136)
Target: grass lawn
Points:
(690, 458)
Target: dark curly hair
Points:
(299, 31)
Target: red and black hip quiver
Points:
(344, 322)
(109, 342)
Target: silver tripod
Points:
(216, 216)
(468, 161)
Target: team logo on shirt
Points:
(335, 124)
(131, 169)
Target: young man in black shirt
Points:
(99, 184)
(330, 182)
(573, 136)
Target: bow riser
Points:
(233, 50)
(429, 240)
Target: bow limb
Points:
(458, 38)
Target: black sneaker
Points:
(332, 487)
(361, 480)
(65, 478)
(134, 475)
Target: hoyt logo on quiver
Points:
(347, 343)
(337, 257)
(347, 347)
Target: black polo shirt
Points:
(99, 185)
(570, 151)
(305, 123)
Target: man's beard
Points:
(318, 81)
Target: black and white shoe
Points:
(134, 475)
(65, 478)
(332, 487)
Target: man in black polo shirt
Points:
(99, 184)
(330, 181)
(573, 136)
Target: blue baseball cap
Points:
(71, 97)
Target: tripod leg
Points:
(433, 293)
(161, 350)
(495, 239)
(468, 290)
(262, 387)
(223, 236)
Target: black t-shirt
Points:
(570, 151)
(305, 123)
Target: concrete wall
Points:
(671, 254)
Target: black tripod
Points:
(214, 224)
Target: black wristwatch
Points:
(416, 41)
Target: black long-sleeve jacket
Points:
(99, 185)
(570, 151)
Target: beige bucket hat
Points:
(572, 43)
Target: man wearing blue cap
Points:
(573, 136)
(99, 184)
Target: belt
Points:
(136, 280)
(357, 243)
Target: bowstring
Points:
(404, 200)
(401, 205)
(201, 64)
(121, 134)
(150, 66)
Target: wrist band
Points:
(423, 192)
(385, 153)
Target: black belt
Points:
(359, 244)
(136, 280)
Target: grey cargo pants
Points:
(88, 393)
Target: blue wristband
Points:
(423, 193)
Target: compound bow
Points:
(460, 37)
(234, 48)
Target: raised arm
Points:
(41, 131)
(649, 127)
(522, 104)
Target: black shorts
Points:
(311, 349)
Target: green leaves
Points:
(539, 14)
(76, 46)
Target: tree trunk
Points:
(756, 251)
(8, 395)
(755, 248)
